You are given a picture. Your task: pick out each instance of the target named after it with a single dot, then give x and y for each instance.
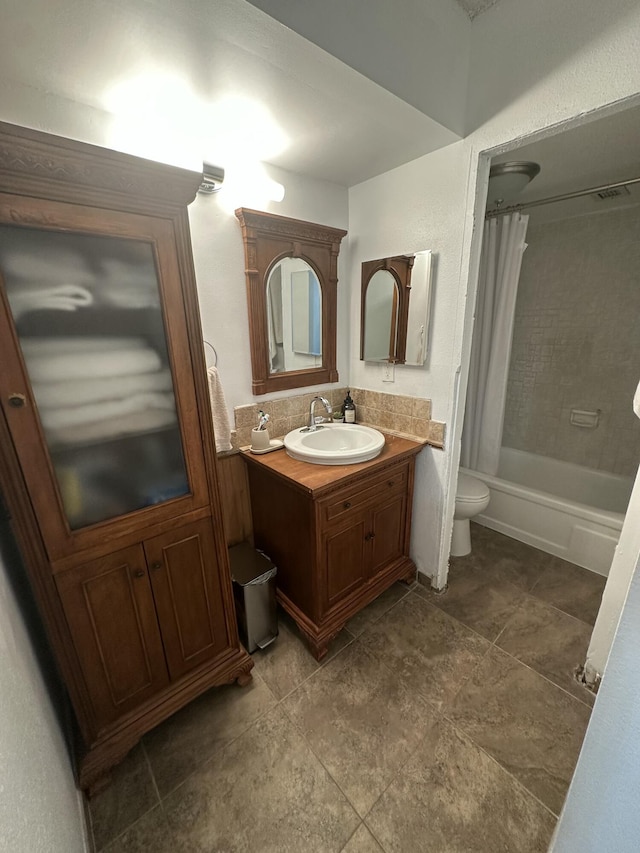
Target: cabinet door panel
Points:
(110, 611)
(345, 562)
(95, 390)
(185, 576)
(387, 525)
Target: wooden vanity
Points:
(339, 534)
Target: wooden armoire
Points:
(107, 457)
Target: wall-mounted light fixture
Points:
(212, 178)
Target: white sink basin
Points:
(334, 444)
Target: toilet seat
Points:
(471, 490)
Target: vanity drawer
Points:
(394, 481)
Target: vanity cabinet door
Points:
(344, 549)
(185, 578)
(388, 529)
(110, 612)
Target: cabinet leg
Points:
(244, 679)
(410, 577)
(98, 785)
(242, 675)
(319, 650)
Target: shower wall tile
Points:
(575, 341)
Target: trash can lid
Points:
(248, 565)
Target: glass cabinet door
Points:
(90, 327)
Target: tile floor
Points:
(438, 723)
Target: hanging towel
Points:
(221, 427)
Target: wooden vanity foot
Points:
(319, 651)
(244, 679)
(242, 674)
(320, 648)
(411, 577)
(99, 785)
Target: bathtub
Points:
(573, 512)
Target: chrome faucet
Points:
(312, 420)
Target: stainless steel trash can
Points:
(254, 590)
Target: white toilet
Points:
(472, 498)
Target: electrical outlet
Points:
(388, 372)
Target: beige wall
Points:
(575, 341)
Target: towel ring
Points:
(215, 354)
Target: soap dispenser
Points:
(349, 409)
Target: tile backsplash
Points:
(410, 416)
(575, 342)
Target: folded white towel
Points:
(126, 297)
(136, 422)
(219, 413)
(64, 345)
(128, 285)
(61, 297)
(78, 392)
(52, 266)
(92, 365)
(71, 416)
(117, 273)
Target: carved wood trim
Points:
(48, 166)
(268, 238)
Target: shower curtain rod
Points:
(513, 208)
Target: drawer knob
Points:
(370, 536)
(390, 483)
(347, 504)
(17, 400)
(156, 565)
(138, 574)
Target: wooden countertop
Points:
(316, 479)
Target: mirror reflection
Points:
(381, 320)
(294, 309)
(396, 294)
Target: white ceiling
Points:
(300, 108)
(60, 62)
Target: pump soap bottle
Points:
(349, 409)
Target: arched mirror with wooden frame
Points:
(291, 269)
(386, 286)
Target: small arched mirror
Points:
(291, 271)
(395, 301)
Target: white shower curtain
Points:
(502, 248)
